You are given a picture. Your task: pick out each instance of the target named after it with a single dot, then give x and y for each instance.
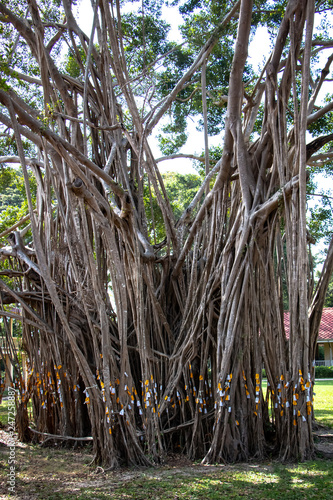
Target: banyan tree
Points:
(146, 331)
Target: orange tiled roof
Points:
(326, 324)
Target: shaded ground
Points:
(63, 473)
(323, 438)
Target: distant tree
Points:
(329, 294)
(181, 189)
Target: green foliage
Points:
(320, 222)
(181, 189)
(323, 398)
(4, 410)
(329, 294)
(174, 135)
(145, 39)
(171, 144)
(269, 14)
(324, 124)
(320, 215)
(200, 19)
(13, 204)
(11, 188)
(153, 6)
(15, 54)
(72, 66)
(324, 371)
(215, 153)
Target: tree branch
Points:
(180, 155)
(56, 436)
(203, 54)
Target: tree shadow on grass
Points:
(57, 475)
(324, 417)
(312, 480)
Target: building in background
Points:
(324, 350)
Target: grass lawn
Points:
(65, 474)
(4, 412)
(323, 402)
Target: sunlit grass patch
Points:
(323, 402)
(4, 412)
(307, 480)
(255, 482)
(45, 474)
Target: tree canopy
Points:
(150, 303)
